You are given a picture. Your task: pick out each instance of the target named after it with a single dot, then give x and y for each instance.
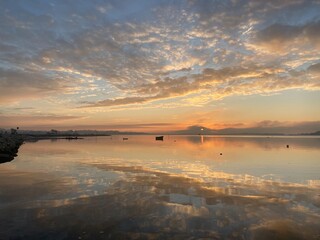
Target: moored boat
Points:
(159, 138)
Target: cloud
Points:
(22, 108)
(217, 84)
(137, 53)
(144, 127)
(121, 101)
(18, 84)
(285, 38)
(274, 4)
(27, 120)
(308, 125)
(268, 123)
(314, 69)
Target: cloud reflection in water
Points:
(177, 189)
(153, 204)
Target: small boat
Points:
(72, 138)
(125, 139)
(159, 138)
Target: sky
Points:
(160, 65)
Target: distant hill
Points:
(195, 130)
(312, 134)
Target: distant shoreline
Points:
(208, 132)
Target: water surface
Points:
(185, 187)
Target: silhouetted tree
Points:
(54, 132)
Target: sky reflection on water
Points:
(107, 188)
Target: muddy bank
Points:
(9, 146)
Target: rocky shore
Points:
(9, 146)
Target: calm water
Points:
(185, 187)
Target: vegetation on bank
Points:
(9, 145)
